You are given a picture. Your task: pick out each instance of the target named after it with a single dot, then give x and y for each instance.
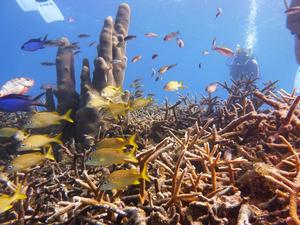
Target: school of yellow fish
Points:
(36, 149)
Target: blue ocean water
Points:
(195, 19)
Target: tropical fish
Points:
(77, 52)
(17, 103)
(120, 179)
(46, 119)
(34, 44)
(151, 95)
(72, 47)
(153, 72)
(171, 35)
(71, 19)
(92, 43)
(136, 58)
(205, 52)
(110, 156)
(222, 50)
(55, 43)
(20, 85)
(139, 103)
(36, 141)
(137, 80)
(117, 143)
(9, 132)
(180, 42)
(138, 93)
(173, 86)
(111, 92)
(219, 12)
(6, 201)
(151, 34)
(117, 109)
(172, 65)
(164, 69)
(129, 37)
(94, 100)
(83, 35)
(48, 63)
(26, 161)
(211, 88)
(292, 10)
(154, 56)
(200, 65)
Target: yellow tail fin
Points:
(57, 139)
(18, 195)
(144, 173)
(49, 154)
(181, 85)
(131, 156)
(67, 116)
(131, 141)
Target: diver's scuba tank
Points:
(244, 66)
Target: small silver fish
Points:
(48, 63)
(83, 35)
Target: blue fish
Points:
(15, 103)
(34, 44)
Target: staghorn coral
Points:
(213, 170)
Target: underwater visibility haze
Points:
(248, 23)
(156, 112)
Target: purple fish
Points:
(34, 44)
(16, 103)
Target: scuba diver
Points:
(293, 24)
(243, 66)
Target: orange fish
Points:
(222, 50)
(164, 69)
(136, 58)
(170, 36)
(151, 34)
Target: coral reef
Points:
(217, 163)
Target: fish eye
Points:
(90, 158)
(10, 167)
(105, 182)
(22, 145)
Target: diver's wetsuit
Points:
(243, 67)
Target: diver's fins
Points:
(27, 5)
(297, 81)
(49, 11)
